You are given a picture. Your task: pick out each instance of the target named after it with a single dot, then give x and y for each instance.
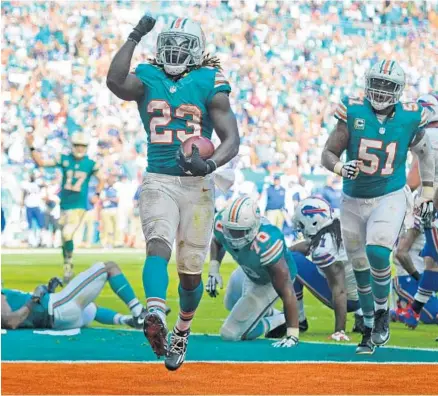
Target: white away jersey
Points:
(326, 253)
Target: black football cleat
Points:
(303, 326)
(176, 353)
(380, 334)
(366, 347)
(359, 325)
(277, 332)
(155, 331)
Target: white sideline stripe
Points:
(215, 362)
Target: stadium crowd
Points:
(289, 64)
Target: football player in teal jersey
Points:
(376, 132)
(77, 170)
(260, 250)
(73, 307)
(179, 94)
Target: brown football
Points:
(205, 146)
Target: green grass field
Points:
(25, 271)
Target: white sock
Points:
(383, 306)
(275, 320)
(301, 314)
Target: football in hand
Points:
(205, 146)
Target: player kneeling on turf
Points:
(260, 250)
(329, 275)
(74, 306)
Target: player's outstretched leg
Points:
(190, 293)
(378, 257)
(120, 286)
(109, 317)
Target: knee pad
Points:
(230, 334)
(158, 246)
(360, 263)
(189, 258)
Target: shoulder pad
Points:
(326, 252)
(270, 241)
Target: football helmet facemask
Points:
(180, 46)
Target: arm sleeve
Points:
(341, 110)
(220, 84)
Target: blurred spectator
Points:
(110, 234)
(275, 200)
(33, 203)
(52, 213)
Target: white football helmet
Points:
(384, 84)
(311, 215)
(180, 46)
(241, 222)
(80, 142)
(429, 102)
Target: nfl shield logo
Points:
(172, 89)
(359, 123)
(65, 164)
(382, 131)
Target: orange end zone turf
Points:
(219, 379)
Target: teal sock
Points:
(378, 256)
(108, 316)
(363, 280)
(155, 282)
(68, 247)
(123, 289)
(261, 328)
(188, 302)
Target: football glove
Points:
(339, 336)
(214, 279)
(349, 170)
(144, 26)
(286, 342)
(53, 284)
(424, 210)
(39, 293)
(194, 165)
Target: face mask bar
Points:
(175, 49)
(379, 97)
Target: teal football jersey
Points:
(173, 111)
(382, 146)
(38, 318)
(76, 174)
(267, 248)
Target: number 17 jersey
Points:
(174, 110)
(381, 146)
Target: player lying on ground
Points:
(180, 93)
(259, 249)
(77, 169)
(72, 307)
(329, 276)
(376, 132)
